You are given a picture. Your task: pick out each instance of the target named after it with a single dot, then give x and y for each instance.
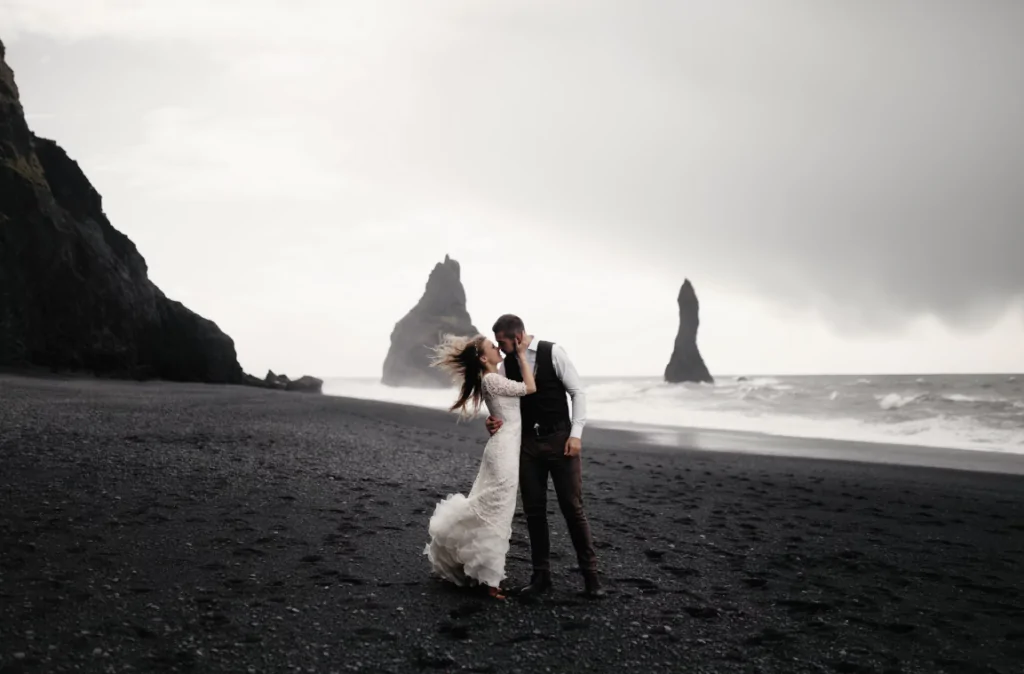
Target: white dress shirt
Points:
(566, 371)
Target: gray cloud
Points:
(863, 160)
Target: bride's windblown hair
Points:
(460, 358)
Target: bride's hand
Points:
(521, 345)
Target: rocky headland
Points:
(75, 294)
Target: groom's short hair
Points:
(508, 324)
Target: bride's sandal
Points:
(496, 593)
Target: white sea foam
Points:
(961, 398)
(894, 401)
(796, 407)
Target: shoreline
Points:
(658, 438)
(693, 439)
(852, 436)
(219, 528)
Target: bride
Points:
(469, 535)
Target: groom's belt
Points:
(538, 429)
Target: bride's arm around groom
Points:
(566, 372)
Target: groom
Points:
(551, 446)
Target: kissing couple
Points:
(532, 437)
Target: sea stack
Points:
(686, 364)
(304, 384)
(75, 292)
(441, 310)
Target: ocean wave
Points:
(962, 398)
(756, 383)
(895, 401)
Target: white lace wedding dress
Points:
(469, 535)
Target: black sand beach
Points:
(160, 527)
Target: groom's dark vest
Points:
(547, 409)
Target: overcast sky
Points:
(843, 182)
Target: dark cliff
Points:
(75, 292)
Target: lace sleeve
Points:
(499, 385)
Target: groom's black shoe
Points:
(540, 583)
(592, 587)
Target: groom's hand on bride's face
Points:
(573, 447)
(493, 424)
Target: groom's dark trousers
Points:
(546, 428)
(543, 455)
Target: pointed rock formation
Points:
(441, 310)
(686, 363)
(75, 292)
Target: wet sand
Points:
(743, 442)
(165, 527)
